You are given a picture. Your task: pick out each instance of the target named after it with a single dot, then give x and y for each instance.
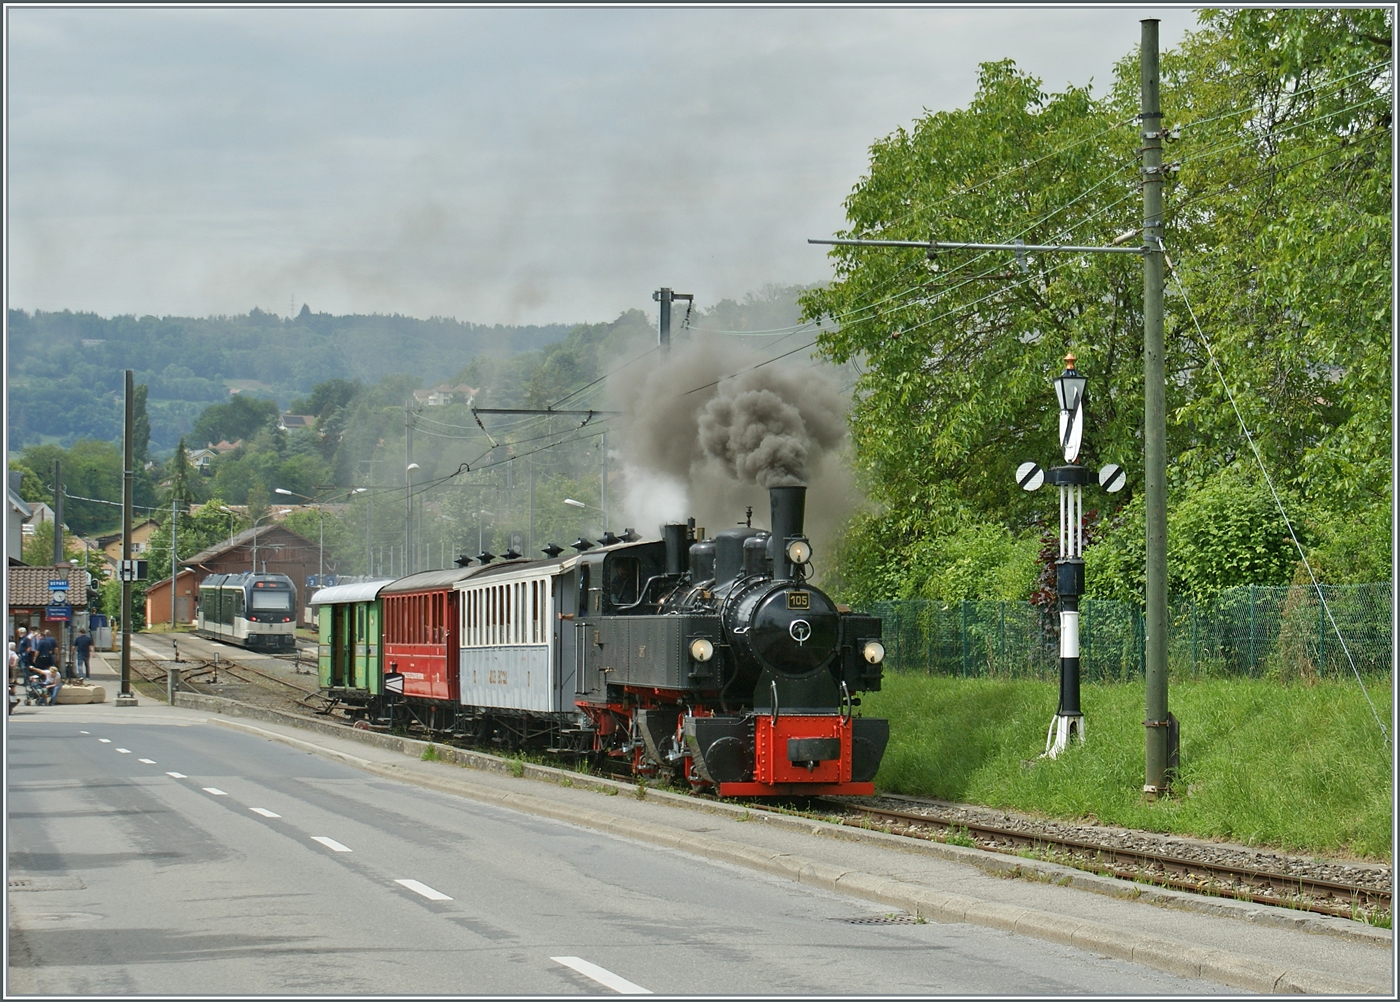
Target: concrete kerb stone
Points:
(1230, 969)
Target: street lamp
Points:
(321, 519)
(480, 543)
(408, 516)
(255, 533)
(1068, 723)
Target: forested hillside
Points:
(66, 368)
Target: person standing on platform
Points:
(82, 644)
(26, 648)
(45, 651)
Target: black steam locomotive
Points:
(709, 661)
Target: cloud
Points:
(494, 165)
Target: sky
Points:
(494, 165)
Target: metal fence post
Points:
(172, 683)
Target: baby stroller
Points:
(34, 691)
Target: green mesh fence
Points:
(1255, 631)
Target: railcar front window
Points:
(271, 601)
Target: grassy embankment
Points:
(1297, 767)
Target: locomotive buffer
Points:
(1068, 723)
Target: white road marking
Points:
(264, 812)
(603, 976)
(123, 751)
(82, 732)
(330, 843)
(424, 890)
(177, 775)
(215, 791)
(105, 741)
(148, 761)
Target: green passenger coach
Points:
(350, 618)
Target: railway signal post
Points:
(1162, 733)
(1068, 723)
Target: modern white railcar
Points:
(256, 611)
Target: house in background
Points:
(200, 460)
(16, 514)
(158, 599)
(295, 422)
(111, 543)
(279, 551)
(441, 396)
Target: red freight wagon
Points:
(420, 632)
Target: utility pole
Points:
(603, 448)
(663, 323)
(174, 563)
(408, 466)
(57, 512)
(1158, 721)
(530, 544)
(125, 697)
(1162, 733)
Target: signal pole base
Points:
(1066, 727)
(125, 699)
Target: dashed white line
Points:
(82, 732)
(424, 889)
(105, 741)
(123, 751)
(264, 812)
(148, 761)
(177, 775)
(602, 975)
(330, 843)
(215, 791)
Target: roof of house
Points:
(17, 504)
(29, 586)
(226, 446)
(298, 420)
(242, 539)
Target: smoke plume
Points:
(700, 440)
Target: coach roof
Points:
(361, 591)
(427, 580)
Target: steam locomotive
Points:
(712, 662)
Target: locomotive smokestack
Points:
(677, 537)
(787, 506)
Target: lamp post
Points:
(1068, 722)
(480, 541)
(321, 520)
(408, 517)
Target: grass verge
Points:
(1300, 767)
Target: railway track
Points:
(154, 673)
(1308, 892)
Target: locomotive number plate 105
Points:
(799, 600)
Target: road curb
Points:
(1175, 958)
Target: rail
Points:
(1299, 891)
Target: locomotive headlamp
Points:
(799, 551)
(701, 649)
(873, 652)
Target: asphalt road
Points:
(194, 859)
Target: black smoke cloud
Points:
(705, 435)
